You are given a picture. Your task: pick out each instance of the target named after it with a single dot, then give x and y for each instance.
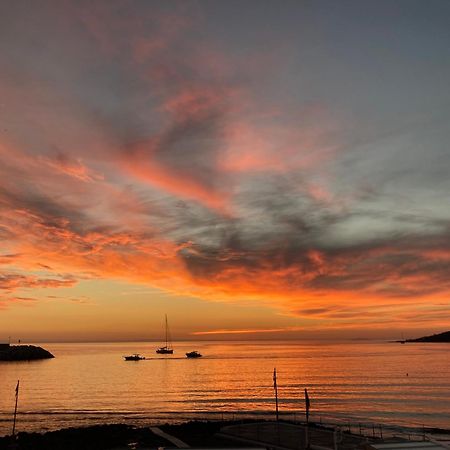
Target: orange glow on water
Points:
(90, 383)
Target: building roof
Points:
(410, 445)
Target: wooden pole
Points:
(15, 408)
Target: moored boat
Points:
(193, 354)
(166, 349)
(135, 357)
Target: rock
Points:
(23, 353)
(441, 337)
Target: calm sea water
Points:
(90, 383)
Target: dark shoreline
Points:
(23, 353)
(105, 437)
(201, 433)
(440, 338)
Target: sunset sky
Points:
(254, 169)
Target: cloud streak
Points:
(250, 331)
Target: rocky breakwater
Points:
(23, 353)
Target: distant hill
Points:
(23, 353)
(441, 337)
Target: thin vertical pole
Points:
(15, 408)
(275, 387)
(307, 406)
(166, 331)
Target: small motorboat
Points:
(135, 357)
(193, 354)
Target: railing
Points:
(359, 427)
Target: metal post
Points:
(15, 409)
(307, 406)
(275, 387)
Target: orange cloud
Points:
(178, 184)
(6, 302)
(12, 281)
(394, 281)
(76, 169)
(249, 331)
(179, 159)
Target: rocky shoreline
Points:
(23, 353)
(438, 338)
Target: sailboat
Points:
(166, 349)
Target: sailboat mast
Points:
(167, 348)
(166, 332)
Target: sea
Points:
(358, 383)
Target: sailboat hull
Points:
(167, 348)
(164, 351)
